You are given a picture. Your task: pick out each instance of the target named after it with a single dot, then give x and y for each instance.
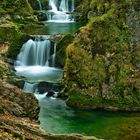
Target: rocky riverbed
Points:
(19, 111)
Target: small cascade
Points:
(60, 11)
(54, 54)
(64, 6)
(34, 52)
(40, 5)
(73, 6)
(52, 4)
(34, 61)
(30, 87)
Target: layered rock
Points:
(18, 115)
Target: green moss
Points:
(12, 35)
(61, 49)
(82, 10)
(14, 13)
(1, 108)
(85, 101)
(16, 7)
(101, 58)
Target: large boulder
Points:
(15, 102)
(102, 64)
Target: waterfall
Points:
(73, 6)
(64, 6)
(30, 87)
(53, 57)
(34, 52)
(60, 11)
(52, 4)
(39, 3)
(34, 61)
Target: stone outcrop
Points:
(102, 64)
(15, 102)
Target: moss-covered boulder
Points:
(19, 7)
(13, 16)
(102, 65)
(62, 44)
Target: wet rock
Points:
(17, 81)
(50, 93)
(17, 102)
(42, 16)
(44, 87)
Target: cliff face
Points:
(102, 67)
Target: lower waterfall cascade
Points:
(36, 62)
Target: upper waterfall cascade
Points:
(60, 11)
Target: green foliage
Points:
(75, 99)
(18, 7)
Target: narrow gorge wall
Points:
(102, 66)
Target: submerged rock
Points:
(50, 93)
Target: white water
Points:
(53, 57)
(64, 6)
(33, 63)
(29, 87)
(60, 12)
(34, 52)
(73, 6)
(40, 73)
(52, 4)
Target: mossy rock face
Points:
(82, 9)
(8, 34)
(14, 37)
(102, 58)
(62, 44)
(19, 7)
(19, 11)
(13, 15)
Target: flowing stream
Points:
(36, 62)
(60, 11)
